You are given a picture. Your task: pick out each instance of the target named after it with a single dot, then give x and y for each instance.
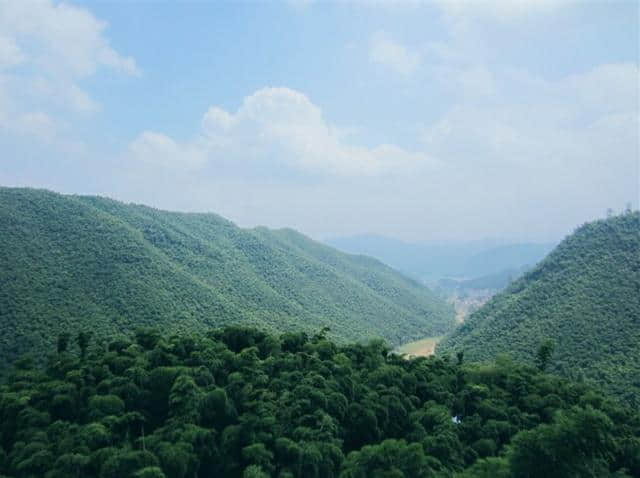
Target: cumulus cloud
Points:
(46, 50)
(524, 147)
(278, 126)
(387, 52)
(59, 39)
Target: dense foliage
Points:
(69, 261)
(241, 403)
(585, 297)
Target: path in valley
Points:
(427, 346)
(419, 348)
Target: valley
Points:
(320, 239)
(463, 305)
(142, 343)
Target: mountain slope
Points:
(71, 262)
(585, 296)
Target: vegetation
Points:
(241, 403)
(69, 263)
(584, 298)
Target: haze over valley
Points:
(466, 274)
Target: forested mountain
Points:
(432, 262)
(584, 297)
(72, 262)
(240, 403)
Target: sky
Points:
(424, 121)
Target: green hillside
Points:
(585, 297)
(72, 262)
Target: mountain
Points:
(432, 262)
(585, 297)
(491, 282)
(504, 259)
(69, 263)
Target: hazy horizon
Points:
(420, 121)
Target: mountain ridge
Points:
(584, 296)
(73, 259)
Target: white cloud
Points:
(503, 10)
(385, 51)
(527, 150)
(46, 50)
(477, 81)
(543, 152)
(279, 126)
(10, 54)
(607, 88)
(158, 149)
(562, 124)
(60, 39)
(37, 124)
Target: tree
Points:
(147, 338)
(391, 458)
(176, 458)
(127, 463)
(150, 472)
(487, 468)
(577, 444)
(69, 465)
(257, 454)
(543, 355)
(83, 340)
(105, 405)
(63, 342)
(355, 413)
(184, 399)
(254, 471)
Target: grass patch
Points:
(419, 348)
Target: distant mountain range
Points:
(71, 263)
(584, 297)
(491, 282)
(432, 262)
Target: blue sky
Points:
(419, 120)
